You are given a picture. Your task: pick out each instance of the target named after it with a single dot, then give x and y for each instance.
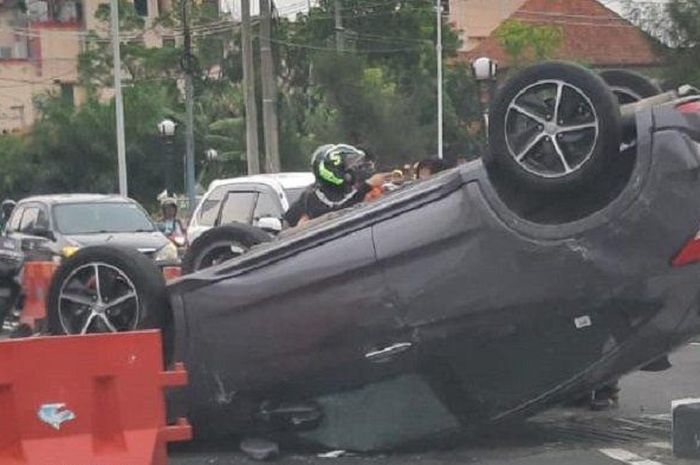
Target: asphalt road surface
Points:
(635, 433)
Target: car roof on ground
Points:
(54, 199)
(286, 180)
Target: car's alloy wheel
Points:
(218, 253)
(625, 95)
(98, 297)
(551, 128)
(220, 244)
(628, 86)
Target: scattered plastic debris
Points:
(333, 454)
(260, 449)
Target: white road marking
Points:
(638, 424)
(625, 456)
(658, 416)
(660, 445)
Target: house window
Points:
(168, 41)
(67, 93)
(141, 7)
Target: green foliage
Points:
(15, 176)
(379, 92)
(684, 34)
(525, 42)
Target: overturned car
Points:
(487, 293)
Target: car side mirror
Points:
(42, 231)
(270, 223)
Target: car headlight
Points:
(166, 253)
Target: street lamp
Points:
(438, 53)
(166, 128)
(484, 71)
(211, 154)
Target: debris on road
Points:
(333, 454)
(260, 449)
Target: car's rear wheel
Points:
(9, 293)
(553, 127)
(221, 244)
(107, 289)
(628, 86)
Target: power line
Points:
(325, 48)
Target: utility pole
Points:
(339, 32)
(119, 103)
(251, 108)
(188, 65)
(269, 91)
(438, 52)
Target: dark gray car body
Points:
(498, 317)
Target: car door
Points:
(238, 206)
(33, 216)
(319, 320)
(268, 205)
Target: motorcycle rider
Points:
(7, 207)
(344, 176)
(171, 224)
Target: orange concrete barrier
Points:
(36, 279)
(86, 400)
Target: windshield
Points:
(294, 194)
(91, 218)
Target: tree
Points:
(525, 42)
(684, 35)
(380, 92)
(673, 26)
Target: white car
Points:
(258, 200)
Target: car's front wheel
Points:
(628, 86)
(221, 244)
(107, 289)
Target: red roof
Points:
(592, 34)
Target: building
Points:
(40, 41)
(592, 33)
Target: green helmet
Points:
(317, 156)
(340, 165)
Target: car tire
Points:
(535, 151)
(220, 244)
(82, 300)
(628, 86)
(9, 293)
